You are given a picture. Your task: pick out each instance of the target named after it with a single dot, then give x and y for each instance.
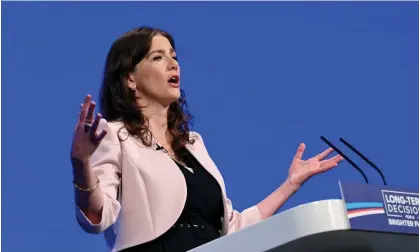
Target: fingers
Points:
(101, 136)
(84, 110)
(89, 117)
(94, 137)
(324, 154)
(330, 163)
(300, 151)
(327, 166)
(93, 129)
(86, 122)
(337, 159)
(90, 112)
(97, 138)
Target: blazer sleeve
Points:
(105, 162)
(238, 220)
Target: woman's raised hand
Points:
(301, 170)
(86, 139)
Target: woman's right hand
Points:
(85, 139)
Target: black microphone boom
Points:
(345, 157)
(364, 158)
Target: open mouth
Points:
(174, 80)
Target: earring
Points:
(131, 85)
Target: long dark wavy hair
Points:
(117, 100)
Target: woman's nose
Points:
(173, 65)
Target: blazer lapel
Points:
(203, 158)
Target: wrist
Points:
(79, 163)
(292, 184)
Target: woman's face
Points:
(157, 76)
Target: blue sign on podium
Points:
(381, 208)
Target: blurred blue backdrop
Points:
(260, 78)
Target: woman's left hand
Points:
(301, 170)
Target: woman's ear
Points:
(130, 82)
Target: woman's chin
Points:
(174, 94)
(170, 97)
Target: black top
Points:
(200, 221)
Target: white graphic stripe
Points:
(363, 213)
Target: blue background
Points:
(260, 78)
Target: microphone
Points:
(345, 157)
(159, 147)
(364, 158)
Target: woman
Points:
(140, 175)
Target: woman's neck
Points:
(157, 122)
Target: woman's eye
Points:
(157, 57)
(175, 58)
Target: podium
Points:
(368, 218)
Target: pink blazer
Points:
(144, 191)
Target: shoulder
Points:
(198, 141)
(114, 130)
(111, 125)
(193, 135)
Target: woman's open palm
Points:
(301, 170)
